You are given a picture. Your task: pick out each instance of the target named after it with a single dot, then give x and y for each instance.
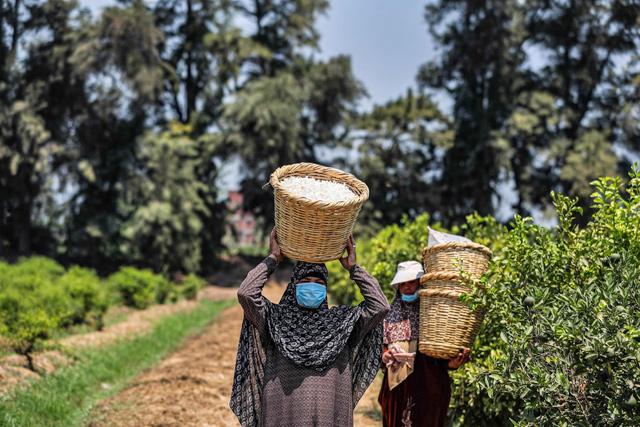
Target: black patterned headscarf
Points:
(311, 338)
(307, 269)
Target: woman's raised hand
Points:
(274, 248)
(349, 260)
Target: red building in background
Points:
(241, 225)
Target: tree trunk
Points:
(22, 224)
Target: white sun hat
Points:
(407, 271)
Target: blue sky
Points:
(387, 41)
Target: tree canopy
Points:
(114, 125)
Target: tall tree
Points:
(204, 52)
(162, 203)
(544, 97)
(37, 94)
(282, 28)
(400, 148)
(589, 46)
(117, 58)
(480, 68)
(178, 59)
(290, 106)
(288, 118)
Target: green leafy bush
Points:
(560, 343)
(185, 287)
(190, 286)
(39, 286)
(38, 298)
(163, 289)
(380, 255)
(38, 266)
(31, 309)
(88, 295)
(139, 288)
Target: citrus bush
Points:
(88, 295)
(560, 343)
(139, 288)
(32, 307)
(39, 298)
(380, 255)
(190, 286)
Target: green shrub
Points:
(139, 288)
(185, 287)
(30, 312)
(5, 275)
(32, 307)
(163, 289)
(190, 286)
(38, 266)
(560, 343)
(39, 286)
(341, 289)
(380, 255)
(88, 295)
(37, 298)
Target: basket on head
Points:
(315, 231)
(446, 323)
(456, 257)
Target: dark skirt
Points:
(421, 400)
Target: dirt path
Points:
(192, 386)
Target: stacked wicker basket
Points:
(446, 323)
(315, 231)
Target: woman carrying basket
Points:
(416, 388)
(299, 362)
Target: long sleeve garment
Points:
(298, 396)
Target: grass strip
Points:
(66, 397)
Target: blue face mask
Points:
(410, 297)
(310, 294)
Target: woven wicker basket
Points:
(446, 280)
(456, 257)
(315, 231)
(446, 324)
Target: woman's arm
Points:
(375, 304)
(250, 291)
